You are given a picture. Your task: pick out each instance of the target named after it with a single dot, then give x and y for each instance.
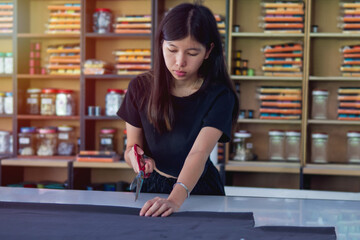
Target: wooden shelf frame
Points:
(88, 41)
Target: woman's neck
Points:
(184, 89)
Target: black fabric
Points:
(44, 221)
(212, 107)
(209, 183)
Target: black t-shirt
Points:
(211, 107)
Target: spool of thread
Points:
(97, 110)
(251, 72)
(91, 110)
(236, 28)
(314, 28)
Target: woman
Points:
(179, 111)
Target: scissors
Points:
(139, 179)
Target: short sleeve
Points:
(129, 109)
(220, 114)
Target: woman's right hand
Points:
(148, 162)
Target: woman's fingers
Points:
(158, 207)
(149, 165)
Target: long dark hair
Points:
(185, 20)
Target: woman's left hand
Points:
(159, 207)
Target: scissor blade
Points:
(138, 187)
(133, 183)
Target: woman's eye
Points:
(193, 54)
(172, 50)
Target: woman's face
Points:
(184, 57)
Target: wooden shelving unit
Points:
(321, 70)
(90, 89)
(321, 63)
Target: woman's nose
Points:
(180, 60)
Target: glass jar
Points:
(276, 144)
(46, 142)
(242, 146)
(353, 147)
(48, 99)
(2, 100)
(102, 20)
(66, 141)
(33, 101)
(4, 142)
(319, 147)
(8, 63)
(319, 104)
(107, 139)
(292, 145)
(113, 100)
(27, 141)
(8, 103)
(65, 103)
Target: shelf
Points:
(47, 76)
(265, 121)
(102, 118)
(48, 36)
(333, 122)
(257, 166)
(334, 79)
(6, 115)
(37, 161)
(41, 117)
(5, 76)
(332, 169)
(266, 78)
(118, 35)
(110, 76)
(334, 35)
(116, 165)
(4, 156)
(266, 35)
(6, 35)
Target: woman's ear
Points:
(209, 51)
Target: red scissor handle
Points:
(139, 160)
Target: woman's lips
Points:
(180, 73)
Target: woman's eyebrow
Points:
(188, 49)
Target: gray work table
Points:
(270, 206)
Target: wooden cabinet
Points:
(91, 90)
(321, 61)
(321, 70)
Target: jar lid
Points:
(33, 90)
(353, 134)
(242, 134)
(49, 90)
(2, 54)
(64, 91)
(2, 94)
(9, 54)
(276, 133)
(8, 94)
(102, 10)
(47, 130)
(27, 129)
(65, 128)
(115, 90)
(293, 133)
(320, 92)
(108, 130)
(319, 135)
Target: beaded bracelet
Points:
(185, 187)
